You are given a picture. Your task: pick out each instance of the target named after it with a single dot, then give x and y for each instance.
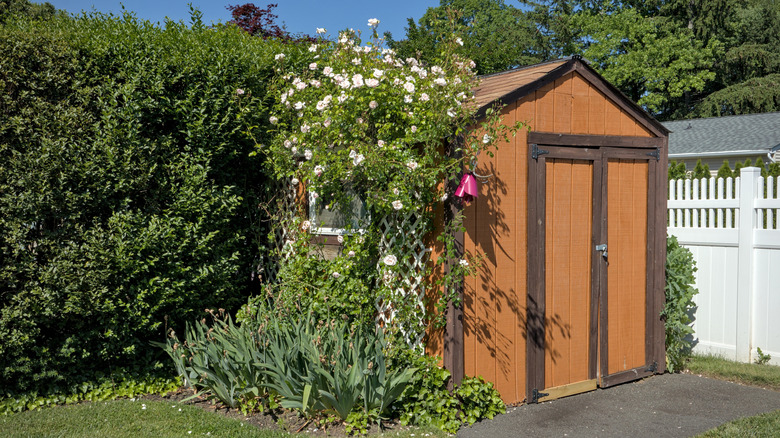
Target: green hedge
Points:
(129, 198)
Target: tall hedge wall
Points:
(127, 190)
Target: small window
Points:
(326, 221)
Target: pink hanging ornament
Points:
(468, 189)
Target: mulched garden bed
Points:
(278, 419)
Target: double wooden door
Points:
(590, 311)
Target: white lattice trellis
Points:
(269, 264)
(402, 236)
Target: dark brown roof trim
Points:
(577, 64)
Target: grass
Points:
(765, 425)
(764, 376)
(142, 419)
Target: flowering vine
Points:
(357, 121)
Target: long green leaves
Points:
(311, 367)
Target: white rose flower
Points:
(318, 170)
(373, 22)
(340, 238)
(327, 122)
(373, 83)
(352, 154)
(409, 87)
(396, 191)
(356, 61)
(459, 41)
(358, 159)
(321, 105)
(321, 30)
(380, 143)
(398, 205)
(294, 150)
(306, 225)
(373, 103)
(424, 97)
(408, 99)
(440, 81)
(486, 139)
(294, 181)
(414, 128)
(313, 66)
(279, 56)
(308, 154)
(390, 260)
(451, 113)
(313, 48)
(378, 73)
(305, 128)
(336, 275)
(351, 254)
(274, 120)
(357, 81)
(299, 105)
(463, 262)
(412, 165)
(287, 144)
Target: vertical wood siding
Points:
(568, 206)
(494, 312)
(626, 279)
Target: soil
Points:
(278, 419)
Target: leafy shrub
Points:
(427, 402)
(679, 307)
(128, 192)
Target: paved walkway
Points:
(670, 405)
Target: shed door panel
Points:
(627, 256)
(568, 212)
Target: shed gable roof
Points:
(720, 135)
(507, 87)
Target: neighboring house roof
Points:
(745, 135)
(510, 86)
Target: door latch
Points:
(603, 249)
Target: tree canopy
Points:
(676, 58)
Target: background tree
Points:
(677, 170)
(725, 170)
(496, 36)
(261, 22)
(701, 170)
(24, 8)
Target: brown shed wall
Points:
(494, 312)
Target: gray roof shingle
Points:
(750, 132)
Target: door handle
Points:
(603, 249)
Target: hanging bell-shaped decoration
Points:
(468, 189)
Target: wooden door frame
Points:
(542, 145)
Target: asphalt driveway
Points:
(669, 405)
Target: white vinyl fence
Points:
(731, 227)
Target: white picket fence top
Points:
(731, 227)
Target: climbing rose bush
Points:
(356, 120)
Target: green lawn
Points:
(141, 419)
(765, 376)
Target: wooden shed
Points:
(573, 231)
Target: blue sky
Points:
(300, 16)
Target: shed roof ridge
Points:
(526, 67)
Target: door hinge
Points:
(535, 151)
(656, 153)
(652, 368)
(536, 395)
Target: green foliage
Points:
(701, 171)
(128, 193)
(755, 95)
(314, 368)
(427, 402)
(120, 385)
(761, 357)
(479, 400)
(679, 290)
(649, 60)
(10, 9)
(677, 170)
(496, 36)
(725, 170)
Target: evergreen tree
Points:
(725, 170)
(701, 170)
(677, 170)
